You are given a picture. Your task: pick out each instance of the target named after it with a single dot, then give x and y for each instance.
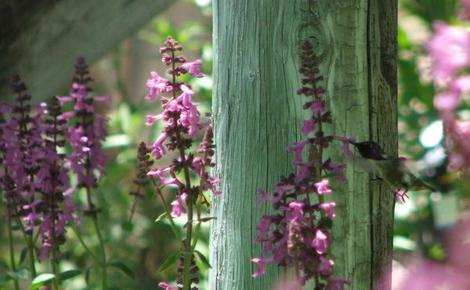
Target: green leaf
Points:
(203, 259)
(87, 275)
(41, 280)
(69, 274)
(21, 274)
(23, 254)
(161, 217)
(123, 267)
(170, 261)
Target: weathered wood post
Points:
(257, 114)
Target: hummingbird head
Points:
(369, 150)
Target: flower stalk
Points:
(297, 235)
(182, 123)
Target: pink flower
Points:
(318, 106)
(190, 119)
(156, 86)
(297, 209)
(178, 205)
(261, 263)
(322, 187)
(325, 267)
(186, 97)
(447, 102)
(194, 68)
(320, 243)
(303, 172)
(309, 126)
(166, 286)
(328, 208)
(152, 119)
(449, 51)
(157, 147)
(297, 149)
(163, 179)
(263, 228)
(264, 196)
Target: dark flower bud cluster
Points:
(298, 234)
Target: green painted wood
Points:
(257, 114)
(41, 40)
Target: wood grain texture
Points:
(40, 40)
(257, 114)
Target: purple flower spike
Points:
(298, 235)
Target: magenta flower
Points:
(158, 150)
(325, 267)
(328, 208)
(318, 106)
(157, 85)
(297, 149)
(320, 242)
(261, 263)
(322, 186)
(178, 205)
(194, 68)
(87, 129)
(166, 286)
(449, 51)
(297, 236)
(151, 119)
(181, 122)
(309, 126)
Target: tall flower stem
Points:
(94, 217)
(30, 244)
(12, 250)
(167, 210)
(85, 246)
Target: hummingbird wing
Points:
(365, 164)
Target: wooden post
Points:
(257, 115)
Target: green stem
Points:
(82, 242)
(56, 280)
(102, 264)
(134, 205)
(12, 250)
(103, 254)
(29, 242)
(189, 228)
(173, 226)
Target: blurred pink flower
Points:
(449, 51)
(194, 68)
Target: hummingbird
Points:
(392, 170)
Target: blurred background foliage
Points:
(138, 248)
(422, 222)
